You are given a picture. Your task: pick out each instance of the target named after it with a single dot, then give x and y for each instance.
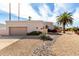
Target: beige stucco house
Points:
(23, 27)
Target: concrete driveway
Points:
(6, 42)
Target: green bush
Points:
(34, 33)
(75, 29)
(69, 29)
(45, 38)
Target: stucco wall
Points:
(50, 25)
(31, 25)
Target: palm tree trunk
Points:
(63, 28)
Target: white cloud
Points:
(44, 11)
(76, 14)
(76, 17)
(26, 9)
(57, 7)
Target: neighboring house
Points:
(23, 27)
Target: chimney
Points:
(18, 11)
(9, 11)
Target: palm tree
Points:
(65, 19)
(29, 18)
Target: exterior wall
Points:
(7, 30)
(35, 26)
(50, 25)
(31, 25)
(3, 31)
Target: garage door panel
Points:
(18, 30)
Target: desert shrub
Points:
(76, 30)
(34, 33)
(56, 27)
(54, 30)
(45, 38)
(68, 29)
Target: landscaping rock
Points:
(44, 50)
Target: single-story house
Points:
(23, 27)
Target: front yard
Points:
(26, 47)
(66, 45)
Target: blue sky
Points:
(40, 11)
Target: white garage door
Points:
(18, 30)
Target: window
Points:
(36, 27)
(46, 26)
(41, 28)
